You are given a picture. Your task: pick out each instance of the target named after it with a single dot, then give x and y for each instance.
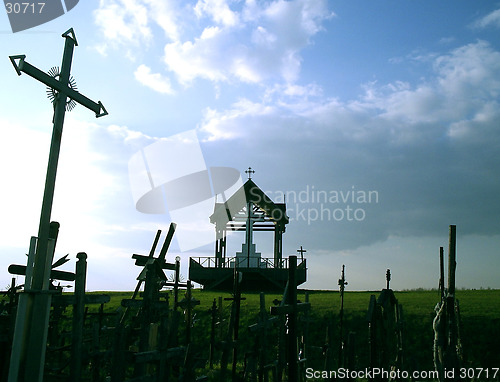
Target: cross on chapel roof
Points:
(250, 172)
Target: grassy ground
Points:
(480, 326)
(480, 329)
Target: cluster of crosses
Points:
(159, 321)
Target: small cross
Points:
(301, 251)
(250, 172)
(342, 283)
(388, 277)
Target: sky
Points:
(377, 122)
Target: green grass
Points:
(480, 315)
(480, 323)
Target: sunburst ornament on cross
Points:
(52, 93)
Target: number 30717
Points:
(24, 7)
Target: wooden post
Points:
(32, 319)
(263, 337)
(139, 283)
(400, 338)
(189, 313)
(213, 312)
(176, 282)
(78, 317)
(234, 322)
(237, 306)
(147, 313)
(292, 321)
(342, 283)
(291, 309)
(452, 264)
(441, 272)
(262, 333)
(372, 328)
(451, 359)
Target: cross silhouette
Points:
(301, 251)
(28, 354)
(250, 172)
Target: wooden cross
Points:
(262, 328)
(342, 283)
(291, 309)
(387, 278)
(142, 261)
(187, 304)
(301, 251)
(234, 324)
(28, 354)
(152, 264)
(249, 172)
(305, 320)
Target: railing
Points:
(244, 262)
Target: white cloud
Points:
(490, 20)
(471, 71)
(264, 46)
(166, 15)
(218, 10)
(228, 124)
(260, 42)
(123, 22)
(154, 81)
(200, 58)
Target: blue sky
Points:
(397, 98)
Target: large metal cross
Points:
(28, 353)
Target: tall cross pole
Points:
(28, 352)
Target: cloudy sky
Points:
(378, 121)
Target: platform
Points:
(267, 277)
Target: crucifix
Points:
(28, 352)
(249, 172)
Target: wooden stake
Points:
(78, 318)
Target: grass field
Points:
(480, 316)
(480, 325)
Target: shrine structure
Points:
(248, 210)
